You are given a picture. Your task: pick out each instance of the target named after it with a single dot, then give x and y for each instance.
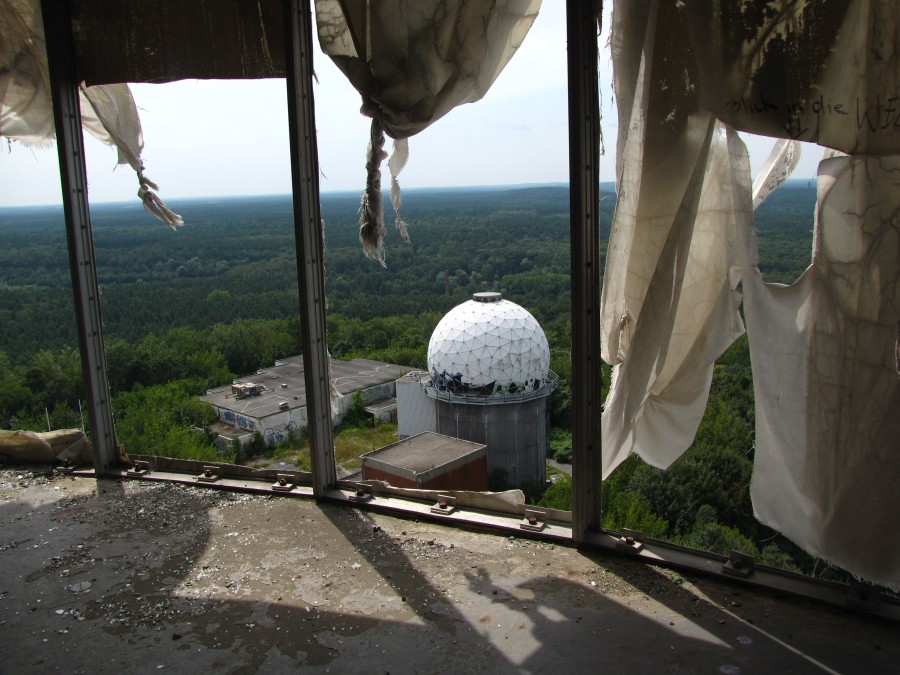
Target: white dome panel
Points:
(489, 342)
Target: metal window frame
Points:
(64, 87)
(585, 531)
(584, 196)
(309, 240)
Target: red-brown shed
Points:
(429, 461)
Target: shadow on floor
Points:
(141, 577)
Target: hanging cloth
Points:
(413, 61)
(26, 108)
(805, 70)
(669, 305)
(824, 350)
(825, 373)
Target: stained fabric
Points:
(61, 445)
(668, 308)
(26, 107)
(413, 61)
(826, 384)
(824, 350)
(823, 71)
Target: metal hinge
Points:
(739, 564)
(284, 482)
(445, 505)
(631, 541)
(140, 468)
(534, 521)
(362, 494)
(209, 474)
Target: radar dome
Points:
(488, 343)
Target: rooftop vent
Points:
(245, 389)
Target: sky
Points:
(221, 138)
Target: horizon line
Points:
(346, 191)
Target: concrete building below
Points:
(273, 401)
(429, 461)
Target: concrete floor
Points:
(140, 577)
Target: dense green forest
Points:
(187, 310)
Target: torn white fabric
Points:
(826, 384)
(396, 164)
(824, 350)
(413, 61)
(26, 108)
(669, 306)
(780, 164)
(61, 445)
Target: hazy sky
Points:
(211, 138)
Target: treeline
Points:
(235, 259)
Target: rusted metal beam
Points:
(73, 179)
(584, 191)
(309, 239)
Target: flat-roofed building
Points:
(273, 401)
(429, 461)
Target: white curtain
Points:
(26, 108)
(824, 350)
(668, 308)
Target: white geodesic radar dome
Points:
(489, 341)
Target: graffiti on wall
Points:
(279, 432)
(238, 420)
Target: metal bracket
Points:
(862, 595)
(631, 541)
(140, 468)
(284, 482)
(362, 494)
(66, 467)
(209, 475)
(534, 521)
(445, 505)
(739, 564)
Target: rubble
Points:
(126, 576)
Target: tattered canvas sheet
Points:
(26, 107)
(826, 380)
(62, 445)
(413, 61)
(508, 501)
(809, 70)
(669, 308)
